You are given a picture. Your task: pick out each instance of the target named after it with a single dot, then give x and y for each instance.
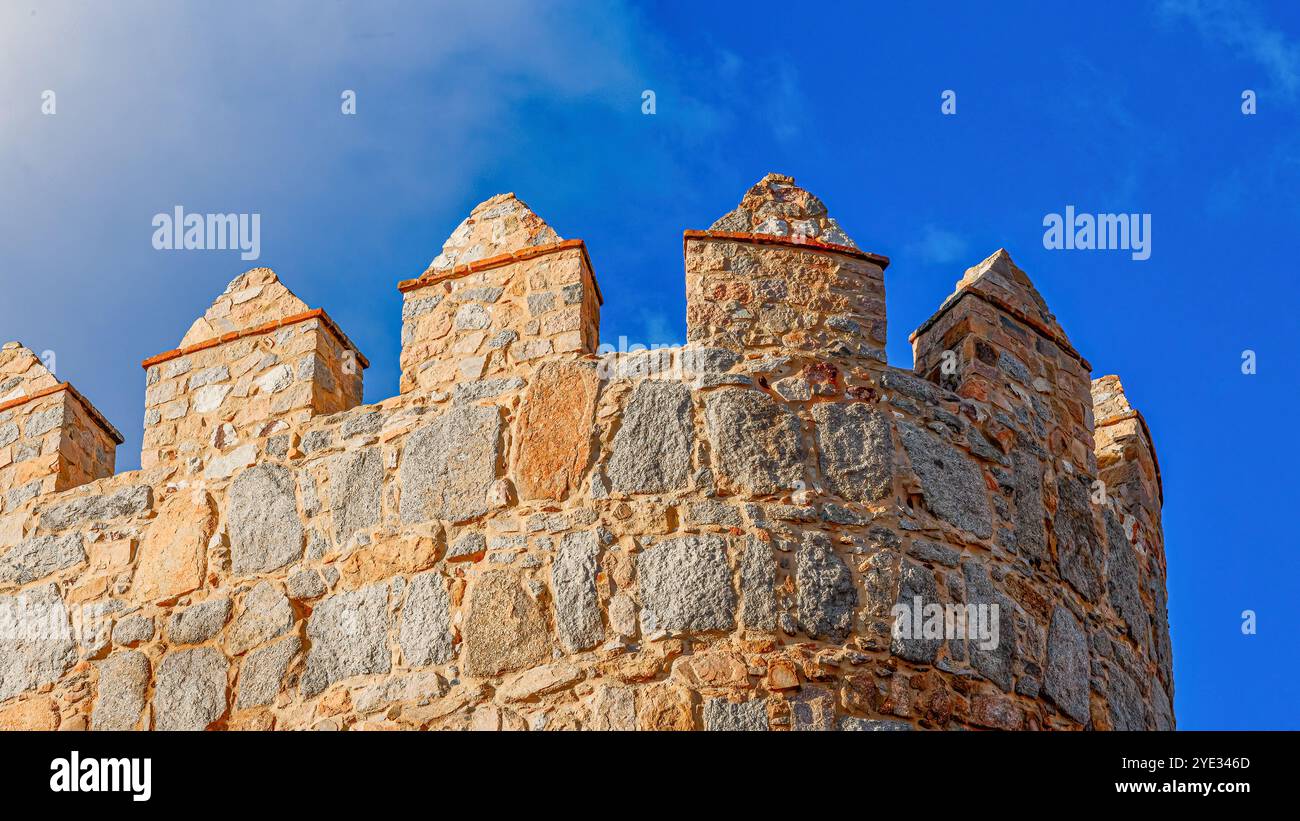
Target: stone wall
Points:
(534, 536)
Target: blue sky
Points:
(1112, 107)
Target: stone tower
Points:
(765, 528)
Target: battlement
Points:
(532, 535)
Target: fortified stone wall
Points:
(535, 536)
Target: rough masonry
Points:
(533, 535)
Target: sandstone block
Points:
(172, 558)
(555, 429)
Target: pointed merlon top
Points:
(1110, 406)
(1001, 282)
(253, 298)
(255, 302)
(1108, 399)
(776, 206)
(22, 373)
(496, 226)
(24, 377)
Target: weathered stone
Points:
(700, 361)
(726, 716)
(120, 694)
(996, 712)
(505, 629)
(613, 708)
(486, 388)
(348, 636)
(95, 631)
(555, 429)
(686, 586)
(1162, 710)
(652, 448)
(467, 546)
(420, 686)
(856, 450)
(826, 595)
(754, 441)
(951, 483)
(38, 557)
(304, 584)
(265, 531)
(133, 630)
(540, 681)
(993, 662)
(36, 645)
(932, 552)
(1078, 550)
(1031, 539)
(1065, 678)
(1124, 702)
(173, 556)
(813, 709)
(712, 512)
(129, 501)
(42, 422)
(262, 672)
(425, 623)
(356, 486)
(40, 713)
(573, 580)
(758, 586)
(199, 622)
(265, 615)
(191, 689)
(851, 724)
(908, 385)
(916, 586)
(1122, 580)
(450, 465)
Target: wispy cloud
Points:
(937, 246)
(1241, 26)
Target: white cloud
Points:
(938, 246)
(1241, 26)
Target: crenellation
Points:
(228, 385)
(51, 437)
(530, 535)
